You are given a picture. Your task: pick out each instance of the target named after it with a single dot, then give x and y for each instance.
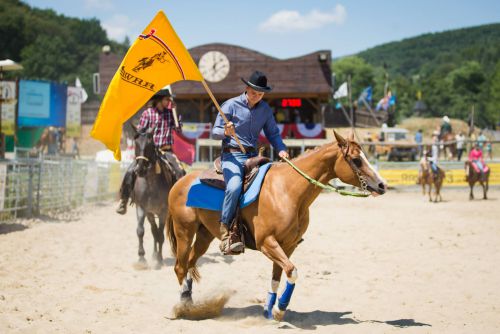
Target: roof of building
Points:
(308, 75)
(304, 76)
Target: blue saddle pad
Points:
(207, 197)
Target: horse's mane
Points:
(309, 152)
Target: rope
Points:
(327, 187)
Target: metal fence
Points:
(32, 187)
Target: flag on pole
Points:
(366, 96)
(157, 58)
(83, 93)
(341, 92)
(386, 101)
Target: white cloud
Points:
(118, 26)
(290, 20)
(99, 4)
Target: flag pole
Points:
(221, 113)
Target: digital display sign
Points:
(291, 103)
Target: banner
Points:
(73, 112)
(193, 131)
(183, 148)
(308, 130)
(453, 177)
(157, 58)
(42, 103)
(9, 102)
(284, 128)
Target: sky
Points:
(284, 29)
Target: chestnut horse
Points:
(427, 177)
(472, 176)
(277, 220)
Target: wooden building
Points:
(301, 85)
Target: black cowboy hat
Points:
(162, 93)
(258, 81)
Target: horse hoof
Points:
(158, 266)
(186, 299)
(278, 314)
(141, 264)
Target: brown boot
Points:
(227, 245)
(122, 207)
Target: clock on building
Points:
(214, 66)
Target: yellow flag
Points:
(156, 59)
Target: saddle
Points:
(213, 177)
(170, 165)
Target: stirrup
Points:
(234, 249)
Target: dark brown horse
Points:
(277, 220)
(449, 146)
(428, 178)
(472, 176)
(150, 194)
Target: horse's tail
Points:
(169, 226)
(169, 229)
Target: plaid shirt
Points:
(163, 123)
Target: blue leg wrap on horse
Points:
(268, 308)
(286, 296)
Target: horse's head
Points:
(352, 167)
(145, 154)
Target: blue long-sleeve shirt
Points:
(248, 123)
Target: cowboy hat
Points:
(258, 81)
(162, 93)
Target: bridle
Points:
(355, 169)
(330, 187)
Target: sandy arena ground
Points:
(395, 263)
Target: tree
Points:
(48, 58)
(492, 111)
(361, 73)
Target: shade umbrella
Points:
(9, 65)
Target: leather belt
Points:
(230, 149)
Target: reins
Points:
(327, 187)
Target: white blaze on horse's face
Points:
(376, 184)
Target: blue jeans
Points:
(434, 167)
(479, 165)
(233, 171)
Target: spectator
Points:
(74, 149)
(460, 139)
(489, 150)
(481, 140)
(418, 140)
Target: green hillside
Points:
(51, 46)
(425, 53)
(451, 70)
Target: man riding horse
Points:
(445, 127)
(433, 155)
(248, 115)
(158, 118)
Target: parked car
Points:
(396, 145)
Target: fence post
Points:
(30, 190)
(38, 186)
